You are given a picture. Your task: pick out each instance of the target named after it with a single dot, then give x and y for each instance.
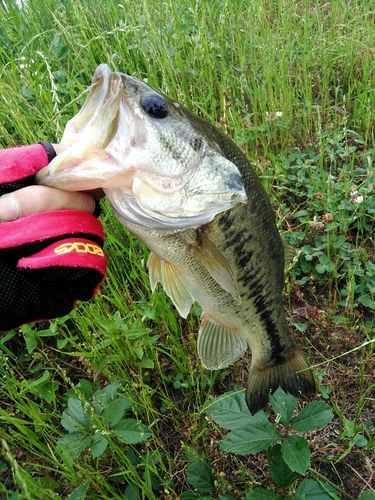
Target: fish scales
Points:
(189, 193)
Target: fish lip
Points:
(107, 87)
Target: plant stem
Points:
(340, 490)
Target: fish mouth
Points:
(87, 163)
(112, 145)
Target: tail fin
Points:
(293, 376)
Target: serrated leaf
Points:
(283, 404)
(252, 439)
(280, 473)
(114, 411)
(315, 490)
(131, 431)
(98, 446)
(200, 476)
(315, 415)
(262, 494)
(296, 453)
(230, 411)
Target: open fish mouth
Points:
(191, 196)
(156, 169)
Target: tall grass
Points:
(294, 84)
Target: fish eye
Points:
(155, 106)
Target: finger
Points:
(35, 199)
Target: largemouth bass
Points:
(189, 193)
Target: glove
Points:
(48, 260)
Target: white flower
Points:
(279, 114)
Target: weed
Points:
(294, 84)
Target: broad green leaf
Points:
(61, 343)
(262, 494)
(80, 492)
(315, 490)
(147, 363)
(131, 492)
(315, 415)
(74, 443)
(283, 404)
(41, 380)
(47, 391)
(367, 495)
(280, 473)
(359, 440)
(230, 411)
(131, 431)
(296, 453)
(85, 388)
(30, 340)
(254, 438)
(98, 446)
(200, 475)
(106, 395)
(74, 417)
(49, 332)
(190, 495)
(114, 411)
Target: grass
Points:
(294, 84)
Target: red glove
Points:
(47, 260)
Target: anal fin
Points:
(219, 346)
(173, 282)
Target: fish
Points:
(188, 192)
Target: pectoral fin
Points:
(217, 265)
(173, 282)
(219, 346)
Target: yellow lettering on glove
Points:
(79, 247)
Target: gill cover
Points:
(156, 168)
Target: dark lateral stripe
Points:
(277, 350)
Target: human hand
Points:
(23, 201)
(50, 259)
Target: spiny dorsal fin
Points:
(217, 265)
(173, 282)
(219, 346)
